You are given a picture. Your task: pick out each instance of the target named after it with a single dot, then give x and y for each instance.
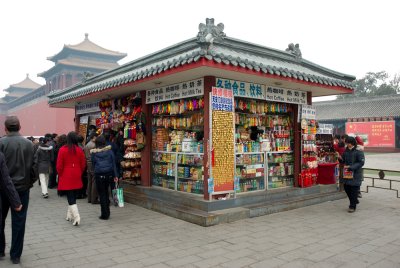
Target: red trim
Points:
(209, 63)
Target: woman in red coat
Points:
(71, 163)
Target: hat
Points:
(12, 122)
(359, 141)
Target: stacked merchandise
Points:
(250, 170)
(263, 126)
(129, 119)
(326, 152)
(328, 168)
(131, 164)
(164, 170)
(190, 173)
(309, 161)
(177, 131)
(280, 170)
(270, 123)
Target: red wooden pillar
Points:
(209, 82)
(146, 152)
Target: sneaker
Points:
(46, 196)
(351, 210)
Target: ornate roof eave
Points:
(53, 69)
(212, 45)
(27, 84)
(87, 46)
(68, 50)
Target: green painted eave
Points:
(229, 51)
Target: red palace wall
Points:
(38, 119)
(2, 119)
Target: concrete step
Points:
(164, 201)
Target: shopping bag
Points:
(118, 196)
(347, 174)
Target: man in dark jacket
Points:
(353, 161)
(18, 153)
(7, 189)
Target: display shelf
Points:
(280, 162)
(279, 152)
(184, 114)
(190, 165)
(186, 171)
(261, 114)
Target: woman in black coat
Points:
(353, 161)
(105, 172)
(43, 158)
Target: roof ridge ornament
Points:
(86, 36)
(209, 32)
(295, 50)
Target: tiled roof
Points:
(82, 63)
(27, 83)
(88, 46)
(228, 51)
(368, 107)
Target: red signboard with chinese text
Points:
(374, 134)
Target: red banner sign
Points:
(374, 134)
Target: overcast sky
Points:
(352, 37)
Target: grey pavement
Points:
(323, 235)
(389, 161)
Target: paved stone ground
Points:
(323, 235)
(391, 161)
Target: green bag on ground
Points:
(118, 196)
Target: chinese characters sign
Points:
(221, 99)
(308, 112)
(325, 129)
(286, 95)
(87, 108)
(242, 89)
(178, 91)
(374, 134)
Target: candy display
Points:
(223, 149)
(309, 161)
(177, 145)
(265, 129)
(250, 169)
(263, 126)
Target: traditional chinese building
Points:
(212, 124)
(28, 100)
(375, 119)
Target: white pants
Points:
(44, 181)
